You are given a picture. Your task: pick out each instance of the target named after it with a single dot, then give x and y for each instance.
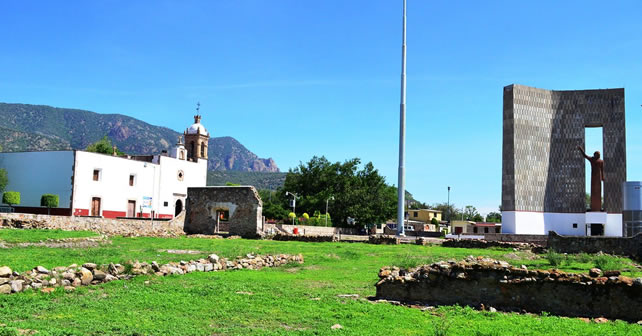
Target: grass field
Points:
(37, 235)
(295, 299)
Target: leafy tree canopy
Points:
(103, 146)
(11, 197)
(358, 193)
(494, 217)
(49, 200)
(4, 179)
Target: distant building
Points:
(470, 227)
(424, 215)
(110, 186)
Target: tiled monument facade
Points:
(542, 170)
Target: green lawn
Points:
(37, 235)
(295, 299)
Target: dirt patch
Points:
(82, 242)
(182, 251)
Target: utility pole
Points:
(326, 209)
(402, 134)
(293, 203)
(448, 207)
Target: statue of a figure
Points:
(597, 176)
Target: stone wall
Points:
(491, 283)
(515, 238)
(108, 226)
(384, 240)
(480, 243)
(243, 204)
(626, 246)
(307, 230)
(70, 277)
(306, 238)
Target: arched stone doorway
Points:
(178, 208)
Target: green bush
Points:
(606, 262)
(434, 221)
(554, 258)
(49, 200)
(11, 198)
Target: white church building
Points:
(110, 186)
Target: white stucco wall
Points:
(527, 222)
(173, 189)
(36, 173)
(113, 186)
(158, 180)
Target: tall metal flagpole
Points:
(402, 135)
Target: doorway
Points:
(597, 229)
(178, 208)
(458, 230)
(593, 140)
(95, 206)
(131, 208)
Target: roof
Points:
(487, 224)
(197, 128)
(431, 210)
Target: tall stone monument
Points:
(543, 175)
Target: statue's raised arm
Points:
(583, 153)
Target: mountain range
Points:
(27, 127)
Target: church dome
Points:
(197, 127)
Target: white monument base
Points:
(570, 224)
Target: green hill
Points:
(38, 127)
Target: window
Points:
(165, 204)
(485, 230)
(575, 225)
(96, 174)
(131, 180)
(475, 229)
(202, 149)
(415, 214)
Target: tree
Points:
(448, 211)
(11, 197)
(103, 146)
(434, 221)
(49, 201)
(494, 217)
(471, 214)
(4, 179)
(273, 205)
(358, 193)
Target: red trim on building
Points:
(165, 216)
(81, 212)
(113, 214)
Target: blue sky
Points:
(291, 79)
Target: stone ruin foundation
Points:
(482, 281)
(242, 205)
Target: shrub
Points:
(554, 258)
(608, 263)
(306, 216)
(434, 221)
(49, 200)
(11, 198)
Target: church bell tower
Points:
(196, 137)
